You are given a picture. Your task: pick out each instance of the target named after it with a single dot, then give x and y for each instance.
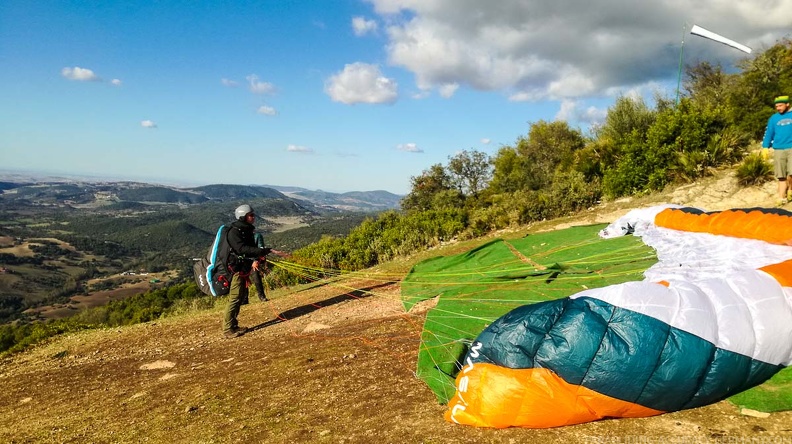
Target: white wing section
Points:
(715, 288)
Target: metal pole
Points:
(681, 52)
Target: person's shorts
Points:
(782, 163)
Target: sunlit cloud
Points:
(447, 90)
(485, 141)
(79, 74)
(299, 149)
(148, 124)
(361, 83)
(267, 110)
(258, 87)
(116, 82)
(409, 147)
(229, 83)
(516, 48)
(361, 26)
(571, 111)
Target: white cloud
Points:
(257, 87)
(566, 49)
(267, 110)
(80, 74)
(361, 26)
(148, 124)
(447, 90)
(567, 110)
(116, 82)
(229, 83)
(527, 96)
(571, 111)
(593, 115)
(409, 147)
(299, 149)
(345, 154)
(485, 141)
(361, 83)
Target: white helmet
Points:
(242, 211)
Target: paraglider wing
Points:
(712, 318)
(475, 288)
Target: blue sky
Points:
(335, 95)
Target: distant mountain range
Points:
(129, 195)
(377, 200)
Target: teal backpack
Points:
(212, 273)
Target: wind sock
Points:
(699, 31)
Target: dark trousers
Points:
(255, 276)
(237, 294)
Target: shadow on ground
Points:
(303, 310)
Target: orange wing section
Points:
(746, 224)
(492, 396)
(782, 272)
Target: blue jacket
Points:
(778, 134)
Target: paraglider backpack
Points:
(212, 273)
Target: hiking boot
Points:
(232, 334)
(263, 298)
(235, 332)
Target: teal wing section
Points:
(479, 286)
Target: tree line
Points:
(143, 307)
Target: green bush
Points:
(754, 170)
(377, 240)
(572, 192)
(682, 144)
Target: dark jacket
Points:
(243, 247)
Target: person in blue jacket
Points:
(778, 136)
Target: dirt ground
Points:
(286, 223)
(323, 364)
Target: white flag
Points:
(697, 30)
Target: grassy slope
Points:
(324, 364)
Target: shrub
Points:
(754, 170)
(572, 192)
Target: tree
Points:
(552, 146)
(425, 187)
(625, 116)
(511, 172)
(532, 164)
(681, 144)
(765, 76)
(470, 171)
(707, 85)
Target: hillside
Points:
(366, 201)
(323, 363)
(100, 234)
(130, 195)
